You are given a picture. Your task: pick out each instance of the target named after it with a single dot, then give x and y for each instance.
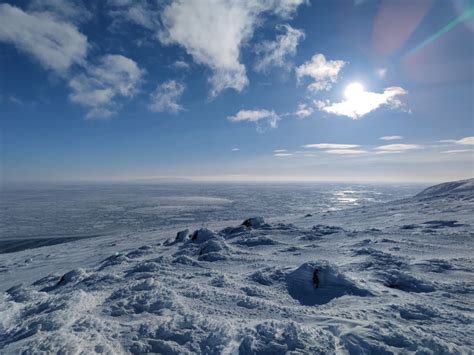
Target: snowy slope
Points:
(389, 278)
(455, 188)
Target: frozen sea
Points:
(327, 269)
(48, 214)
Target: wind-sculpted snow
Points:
(464, 188)
(389, 278)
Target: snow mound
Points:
(321, 230)
(253, 241)
(254, 222)
(141, 296)
(461, 187)
(403, 281)
(203, 244)
(286, 338)
(214, 250)
(269, 276)
(202, 235)
(182, 236)
(316, 283)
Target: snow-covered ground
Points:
(393, 277)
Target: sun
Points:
(353, 91)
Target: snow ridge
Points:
(465, 187)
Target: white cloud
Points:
(279, 151)
(99, 88)
(462, 141)
(391, 138)
(65, 10)
(457, 151)
(181, 65)
(55, 44)
(363, 103)
(276, 53)
(335, 148)
(213, 31)
(235, 149)
(166, 96)
(396, 148)
(303, 111)
(331, 146)
(323, 72)
(283, 8)
(138, 12)
(382, 152)
(282, 154)
(466, 141)
(269, 117)
(345, 151)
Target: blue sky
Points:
(220, 90)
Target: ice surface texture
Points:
(355, 281)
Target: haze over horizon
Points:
(254, 91)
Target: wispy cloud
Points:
(364, 103)
(303, 111)
(57, 45)
(277, 53)
(336, 148)
(15, 100)
(396, 148)
(324, 73)
(282, 154)
(165, 97)
(257, 116)
(345, 151)
(279, 151)
(65, 10)
(235, 149)
(458, 151)
(391, 138)
(381, 72)
(181, 65)
(331, 146)
(213, 31)
(462, 141)
(137, 12)
(101, 85)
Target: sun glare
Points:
(353, 91)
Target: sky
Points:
(221, 90)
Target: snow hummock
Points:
(319, 282)
(387, 278)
